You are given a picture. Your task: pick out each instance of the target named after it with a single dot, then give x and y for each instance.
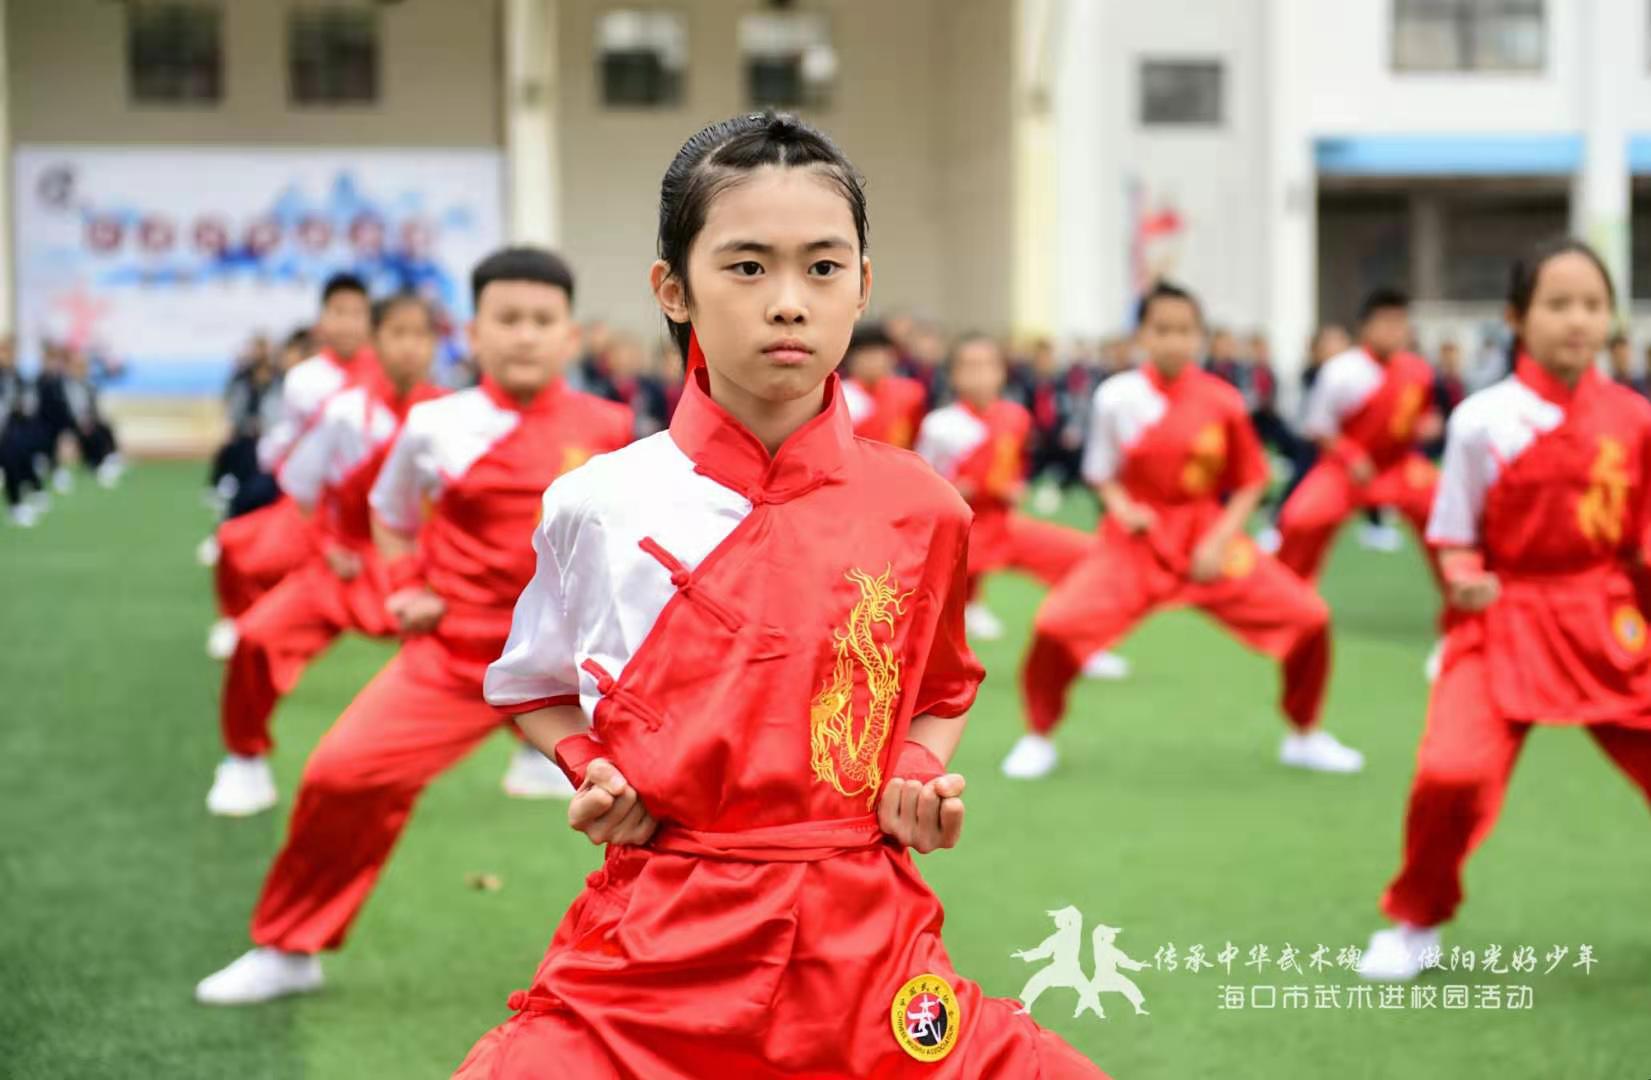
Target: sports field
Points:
(1168, 818)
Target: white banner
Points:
(170, 258)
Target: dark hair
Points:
(342, 283)
(298, 339)
(1165, 290)
(869, 335)
(1617, 338)
(1383, 298)
(1522, 281)
(521, 264)
(716, 157)
(395, 301)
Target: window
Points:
(173, 53)
(643, 57)
(1180, 92)
(788, 58)
(332, 56)
(1468, 35)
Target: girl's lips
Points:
(789, 357)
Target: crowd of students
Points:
(47, 417)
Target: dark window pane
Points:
(332, 56)
(1469, 35)
(643, 55)
(1180, 92)
(173, 53)
(788, 58)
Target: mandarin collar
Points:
(1548, 386)
(1164, 384)
(722, 449)
(542, 402)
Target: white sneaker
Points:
(207, 551)
(241, 787)
(1269, 540)
(1383, 537)
(24, 515)
(1395, 954)
(1046, 499)
(980, 623)
(1106, 665)
(63, 480)
(222, 639)
(533, 776)
(1319, 751)
(109, 473)
(1435, 661)
(1033, 757)
(261, 975)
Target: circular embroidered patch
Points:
(926, 1017)
(1240, 559)
(1629, 627)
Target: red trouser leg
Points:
(410, 724)
(1630, 748)
(1467, 753)
(279, 636)
(1095, 604)
(1309, 520)
(1275, 612)
(257, 550)
(1045, 550)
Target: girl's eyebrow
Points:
(757, 248)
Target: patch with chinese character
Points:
(926, 1018)
(1628, 626)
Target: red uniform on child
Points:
(1178, 447)
(257, 550)
(1552, 488)
(332, 468)
(752, 637)
(889, 410)
(480, 461)
(1369, 409)
(983, 454)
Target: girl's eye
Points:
(748, 268)
(825, 268)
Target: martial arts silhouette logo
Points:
(1063, 949)
(925, 1017)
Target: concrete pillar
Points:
(1427, 246)
(1032, 148)
(1600, 191)
(529, 87)
(1291, 205)
(8, 255)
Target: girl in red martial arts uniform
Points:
(762, 617)
(1540, 526)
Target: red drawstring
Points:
(678, 572)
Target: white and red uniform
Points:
(888, 410)
(983, 454)
(1552, 488)
(1177, 447)
(1369, 410)
(480, 462)
(751, 638)
(258, 549)
(331, 469)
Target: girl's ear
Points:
(1511, 317)
(668, 291)
(865, 285)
